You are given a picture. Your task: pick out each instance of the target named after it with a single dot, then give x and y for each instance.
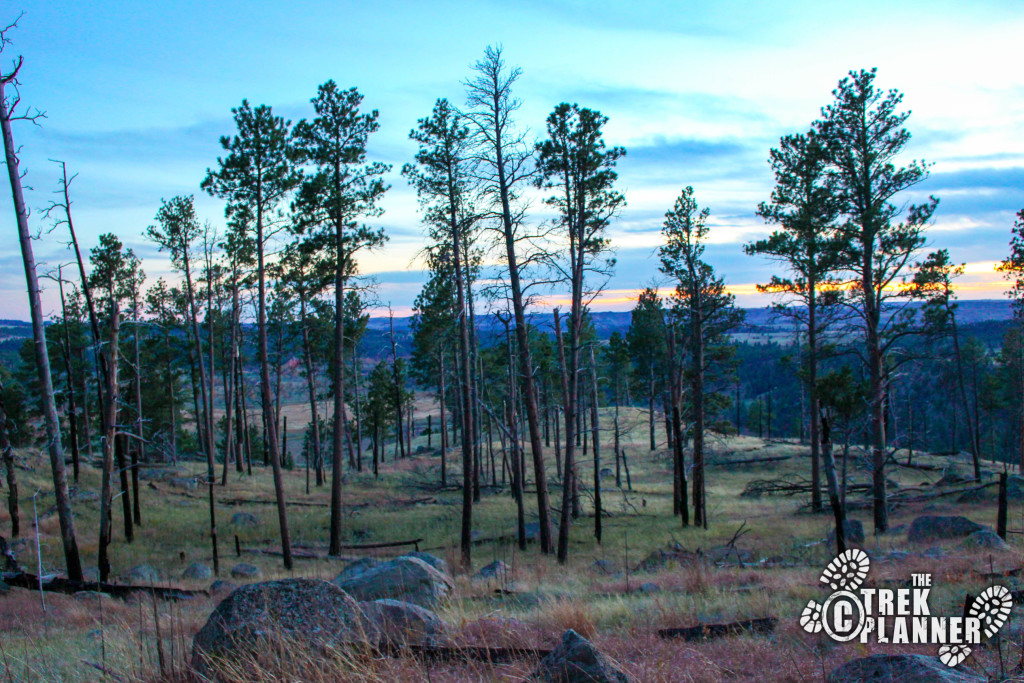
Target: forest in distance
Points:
(870, 320)
(866, 355)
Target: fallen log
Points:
(753, 461)
(59, 584)
(392, 544)
(463, 653)
(711, 631)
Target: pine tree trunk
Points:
(269, 417)
(109, 434)
(596, 428)
(48, 405)
(7, 455)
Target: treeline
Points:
(130, 373)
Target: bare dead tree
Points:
(10, 100)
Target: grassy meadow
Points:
(771, 569)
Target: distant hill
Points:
(985, 318)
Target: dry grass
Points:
(601, 603)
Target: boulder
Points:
(576, 660)
(405, 578)
(494, 570)
(357, 568)
(433, 560)
(985, 538)
(937, 528)
(244, 519)
(310, 614)
(197, 570)
(402, 623)
(245, 571)
(853, 531)
(144, 574)
(902, 668)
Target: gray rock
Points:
(154, 473)
(576, 660)
(197, 570)
(606, 473)
(853, 531)
(144, 574)
(902, 668)
(308, 614)
(405, 578)
(937, 528)
(533, 531)
(245, 571)
(433, 560)
(952, 476)
(986, 538)
(604, 567)
(187, 483)
(726, 553)
(244, 519)
(402, 623)
(222, 586)
(357, 568)
(494, 570)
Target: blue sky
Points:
(137, 94)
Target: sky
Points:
(137, 94)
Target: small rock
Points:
(403, 623)
(903, 668)
(952, 476)
(245, 571)
(187, 483)
(197, 570)
(986, 538)
(604, 566)
(494, 570)
(433, 560)
(937, 528)
(576, 660)
(144, 574)
(606, 473)
(244, 519)
(727, 553)
(222, 586)
(533, 531)
(853, 531)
